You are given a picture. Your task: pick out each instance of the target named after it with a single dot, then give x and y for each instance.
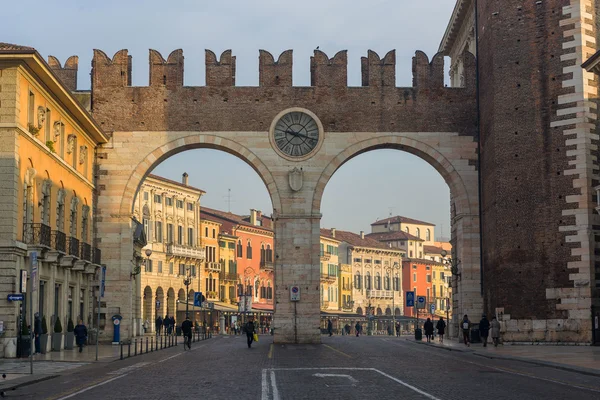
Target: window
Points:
(418, 233)
(420, 244)
(428, 235)
(442, 276)
(146, 223)
(368, 261)
(171, 268)
(427, 293)
(158, 231)
(214, 233)
(158, 198)
(160, 267)
(240, 249)
(428, 278)
(378, 262)
(169, 233)
(414, 267)
(48, 126)
(322, 250)
(433, 290)
(179, 234)
(206, 232)
(249, 251)
(407, 230)
(433, 274)
(420, 254)
(386, 282)
(179, 204)
(148, 265)
(396, 283)
(190, 206)
(410, 254)
(31, 108)
(357, 260)
(190, 237)
(377, 281)
(182, 269)
(427, 267)
(368, 281)
(145, 195)
(222, 244)
(61, 133)
(402, 243)
(414, 277)
(357, 281)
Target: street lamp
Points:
(454, 263)
(138, 268)
(186, 281)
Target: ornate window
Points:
(249, 251)
(85, 215)
(386, 282)
(240, 249)
(269, 253)
(73, 217)
(60, 210)
(357, 281)
(368, 281)
(45, 203)
(377, 281)
(428, 235)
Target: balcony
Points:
(380, 294)
(328, 277)
(59, 241)
(228, 276)
(266, 265)
(37, 234)
(97, 256)
(73, 247)
(179, 250)
(86, 251)
(325, 256)
(212, 296)
(213, 266)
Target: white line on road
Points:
(92, 387)
(265, 386)
(429, 396)
(319, 375)
(274, 386)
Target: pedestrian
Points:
(397, 329)
(80, 333)
(348, 328)
(173, 324)
(466, 325)
(186, 328)
(428, 328)
(358, 328)
(37, 331)
(329, 327)
(495, 331)
(441, 328)
(167, 324)
(249, 328)
(158, 323)
(484, 329)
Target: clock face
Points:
(296, 134)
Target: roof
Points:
(461, 9)
(162, 178)
(393, 235)
(35, 63)
(402, 220)
(432, 250)
(229, 219)
(421, 261)
(326, 233)
(355, 239)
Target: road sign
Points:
(23, 282)
(34, 271)
(103, 282)
(432, 307)
(198, 299)
(15, 297)
(294, 293)
(420, 301)
(410, 299)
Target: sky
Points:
(366, 188)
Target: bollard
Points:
(161, 346)
(129, 349)
(135, 347)
(141, 345)
(146, 345)
(121, 350)
(152, 343)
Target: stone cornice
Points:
(456, 20)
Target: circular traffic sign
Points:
(294, 289)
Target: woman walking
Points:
(428, 327)
(495, 327)
(441, 328)
(80, 332)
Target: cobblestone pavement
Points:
(343, 367)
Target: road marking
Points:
(337, 351)
(128, 369)
(429, 396)
(319, 375)
(92, 387)
(274, 386)
(265, 386)
(271, 351)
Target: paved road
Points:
(342, 368)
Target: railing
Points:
(59, 241)
(383, 294)
(39, 234)
(86, 251)
(73, 246)
(213, 266)
(228, 276)
(325, 256)
(185, 251)
(327, 277)
(97, 256)
(266, 265)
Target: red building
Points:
(417, 277)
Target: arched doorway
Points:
(171, 302)
(148, 305)
(160, 302)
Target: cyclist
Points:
(186, 328)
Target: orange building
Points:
(417, 276)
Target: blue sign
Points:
(432, 306)
(410, 299)
(102, 284)
(198, 299)
(15, 297)
(420, 301)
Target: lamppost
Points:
(187, 281)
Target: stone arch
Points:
(388, 311)
(397, 312)
(195, 140)
(171, 302)
(191, 296)
(379, 311)
(181, 295)
(148, 303)
(159, 303)
(359, 311)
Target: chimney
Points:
(258, 214)
(184, 178)
(333, 233)
(253, 216)
(362, 234)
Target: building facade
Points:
(48, 198)
(170, 214)
(330, 274)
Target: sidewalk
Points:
(584, 359)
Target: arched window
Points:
(263, 254)
(396, 282)
(249, 251)
(359, 311)
(368, 281)
(269, 253)
(269, 291)
(73, 217)
(60, 210)
(407, 230)
(386, 282)
(428, 235)
(45, 203)
(240, 249)
(85, 211)
(357, 281)
(418, 233)
(377, 281)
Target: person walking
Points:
(167, 324)
(484, 329)
(37, 331)
(397, 329)
(441, 328)
(358, 328)
(249, 328)
(173, 324)
(158, 324)
(465, 326)
(186, 329)
(329, 327)
(80, 333)
(495, 325)
(146, 326)
(428, 328)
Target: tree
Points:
(70, 327)
(57, 326)
(44, 325)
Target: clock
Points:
(296, 133)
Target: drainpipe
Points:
(477, 91)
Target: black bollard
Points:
(141, 345)
(146, 345)
(121, 350)
(161, 346)
(135, 347)
(152, 343)
(129, 349)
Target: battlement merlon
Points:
(222, 72)
(377, 72)
(167, 73)
(430, 75)
(68, 73)
(275, 73)
(111, 73)
(326, 72)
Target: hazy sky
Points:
(363, 189)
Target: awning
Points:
(262, 307)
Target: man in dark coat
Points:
(428, 327)
(358, 328)
(80, 333)
(441, 328)
(484, 329)
(249, 328)
(329, 327)
(159, 323)
(37, 331)
(186, 328)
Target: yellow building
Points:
(420, 233)
(330, 291)
(48, 143)
(346, 304)
(228, 274)
(170, 214)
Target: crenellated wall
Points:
(68, 73)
